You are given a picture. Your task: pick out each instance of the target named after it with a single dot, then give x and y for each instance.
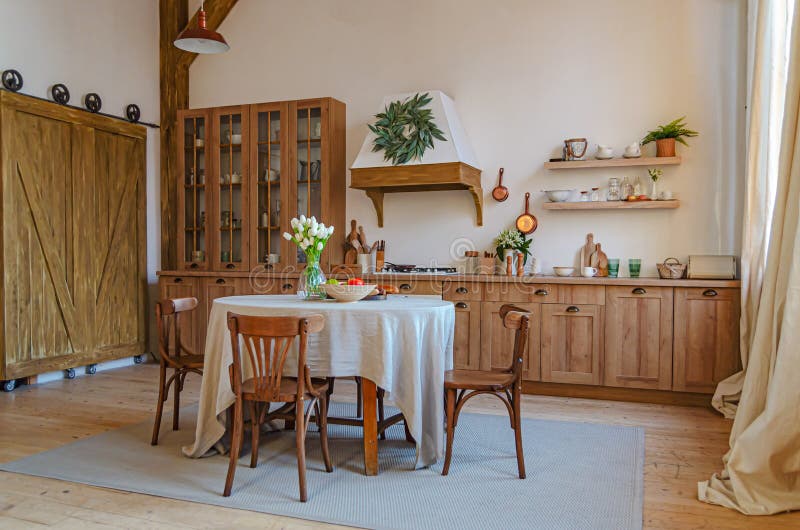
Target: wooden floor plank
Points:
(683, 445)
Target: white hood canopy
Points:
(449, 165)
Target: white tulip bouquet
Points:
(311, 236)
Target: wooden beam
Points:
(216, 11)
(174, 84)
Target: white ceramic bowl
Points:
(558, 195)
(348, 293)
(236, 139)
(563, 271)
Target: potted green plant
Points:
(665, 136)
(511, 242)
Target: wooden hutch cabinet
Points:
(246, 170)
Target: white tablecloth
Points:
(404, 344)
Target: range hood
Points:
(450, 165)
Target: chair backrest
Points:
(267, 341)
(169, 313)
(517, 318)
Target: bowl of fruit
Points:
(352, 290)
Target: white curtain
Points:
(761, 473)
(767, 61)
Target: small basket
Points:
(671, 269)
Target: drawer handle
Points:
(178, 280)
(230, 266)
(193, 266)
(220, 280)
(572, 309)
(287, 286)
(462, 290)
(405, 287)
(639, 290)
(541, 292)
(462, 305)
(709, 292)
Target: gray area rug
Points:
(580, 475)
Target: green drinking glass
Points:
(613, 267)
(634, 267)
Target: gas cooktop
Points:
(413, 269)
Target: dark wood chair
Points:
(169, 313)
(462, 385)
(267, 341)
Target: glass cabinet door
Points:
(231, 177)
(309, 170)
(192, 196)
(267, 163)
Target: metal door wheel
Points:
(69, 373)
(138, 359)
(9, 386)
(91, 369)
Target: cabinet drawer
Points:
(582, 294)
(715, 293)
(522, 292)
(429, 287)
(462, 291)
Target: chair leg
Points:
(518, 433)
(451, 410)
(236, 445)
(162, 378)
(254, 435)
(381, 413)
(176, 392)
(409, 436)
(359, 404)
(329, 392)
(300, 431)
(322, 412)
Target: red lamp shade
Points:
(201, 39)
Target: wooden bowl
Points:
(348, 293)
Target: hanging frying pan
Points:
(500, 192)
(527, 223)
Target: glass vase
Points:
(312, 279)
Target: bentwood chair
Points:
(462, 385)
(182, 360)
(265, 343)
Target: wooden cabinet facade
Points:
(638, 339)
(647, 337)
(706, 339)
(73, 237)
(246, 171)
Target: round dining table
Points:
(403, 344)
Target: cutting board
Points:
(599, 260)
(587, 250)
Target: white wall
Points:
(105, 46)
(525, 75)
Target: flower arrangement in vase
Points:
(311, 237)
(655, 174)
(512, 241)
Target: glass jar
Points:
(627, 188)
(614, 193)
(637, 187)
(584, 196)
(595, 194)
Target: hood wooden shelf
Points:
(377, 181)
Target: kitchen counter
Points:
(479, 278)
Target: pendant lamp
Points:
(201, 39)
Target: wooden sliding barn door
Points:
(74, 276)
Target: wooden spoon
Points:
(500, 192)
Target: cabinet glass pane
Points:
(309, 165)
(269, 187)
(194, 190)
(231, 182)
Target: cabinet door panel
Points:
(212, 289)
(467, 338)
(706, 348)
(571, 344)
(193, 193)
(497, 342)
(638, 345)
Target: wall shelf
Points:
(613, 205)
(615, 162)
